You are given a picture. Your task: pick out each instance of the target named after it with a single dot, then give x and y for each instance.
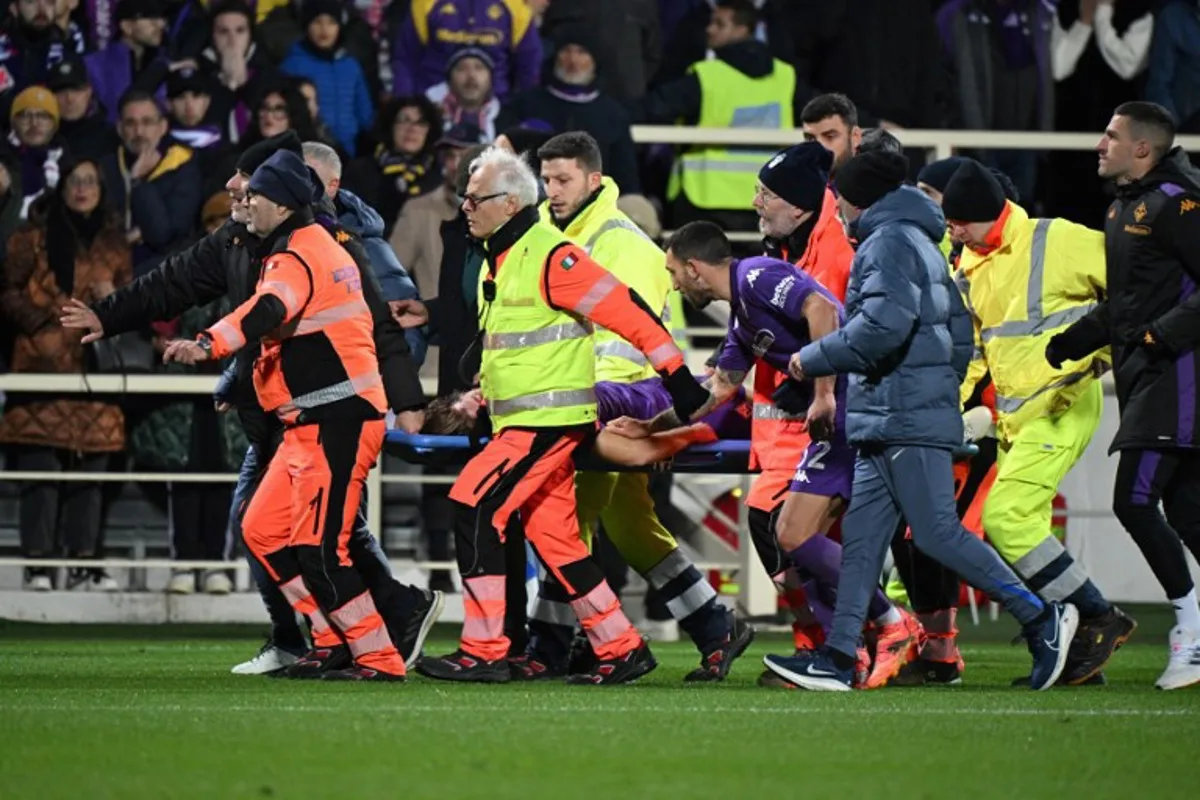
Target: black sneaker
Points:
(1095, 642)
(715, 664)
(527, 667)
(928, 673)
(769, 680)
(318, 661)
(462, 666)
(357, 673)
(418, 626)
(624, 669)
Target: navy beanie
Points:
(973, 194)
(868, 177)
(938, 173)
(257, 154)
(799, 175)
(285, 179)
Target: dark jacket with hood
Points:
(394, 282)
(629, 46)
(454, 313)
(680, 99)
(226, 263)
(908, 337)
(92, 136)
(579, 108)
(1152, 314)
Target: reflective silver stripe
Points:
(231, 333)
(1065, 584)
(768, 411)
(691, 599)
(1039, 557)
(595, 295)
(612, 225)
(753, 163)
(551, 333)
(661, 354)
(375, 640)
(1008, 405)
(285, 293)
(553, 612)
(1036, 321)
(552, 399)
(353, 612)
(332, 394)
(621, 349)
(1037, 270)
(1032, 327)
(322, 319)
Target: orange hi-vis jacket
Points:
(827, 257)
(318, 357)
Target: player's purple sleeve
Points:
(736, 355)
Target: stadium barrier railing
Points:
(939, 143)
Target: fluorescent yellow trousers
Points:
(622, 502)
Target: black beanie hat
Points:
(311, 9)
(1010, 189)
(973, 194)
(285, 179)
(799, 174)
(259, 152)
(938, 173)
(866, 178)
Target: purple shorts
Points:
(826, 469)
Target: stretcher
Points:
(728, 457)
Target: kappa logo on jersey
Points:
(781, 291)
(752, 276)
(762, 342)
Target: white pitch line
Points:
(517, 709)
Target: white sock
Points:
(890, 618)
(1187, 612)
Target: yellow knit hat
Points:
(35, 98)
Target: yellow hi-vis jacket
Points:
(620, 246)
(1043, 275)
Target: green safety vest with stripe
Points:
(717, 178)
(1045, 275)
(624, 249)
(537, 370)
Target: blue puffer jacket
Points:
(394, 281)
(907, 339)
(342, 94)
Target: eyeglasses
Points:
(90, 182)
(277, 110)
(417, 121)
(35, 116)
(471, 202)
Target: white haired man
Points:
(539, 298)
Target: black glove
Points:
(791, 397)
(687, 395)
(1054, 351)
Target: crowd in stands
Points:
(122, 120)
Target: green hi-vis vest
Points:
(538, 370)
(621, 247)
(717, 178)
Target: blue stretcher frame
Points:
(729, 457)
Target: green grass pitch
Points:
(153, 713)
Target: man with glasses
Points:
(541, 295)
(34, 117)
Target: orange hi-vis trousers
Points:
(298, 526)
(530, 472)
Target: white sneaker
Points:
(660, 630)
(39, 583)
(101, 581)
(181, 583)
(217, 583)
(269, 659)
(1183, 664)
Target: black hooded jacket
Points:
(1151, 316)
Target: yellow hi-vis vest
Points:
(538, 370)
(1045, 275)
(717, 178)
(624, 249)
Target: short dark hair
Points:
(578, 145)
(700, 241)
(744, 12)
(137, 96)
(231, 7)
(442, 420)
(834, 104)
(1151, 122)
(878, 139)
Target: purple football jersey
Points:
(648, 398)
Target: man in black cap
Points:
(83, 124)
(225, 263)
(189, 96)
(1025, 280)
(791, 200)
(466, 95)
(906, 345)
